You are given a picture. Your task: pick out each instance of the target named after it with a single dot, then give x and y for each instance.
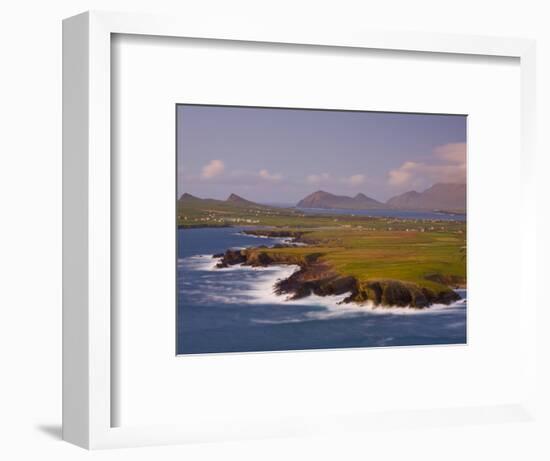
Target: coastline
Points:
(316, 277)
(202, 226)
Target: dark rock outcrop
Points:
(232, 257)
(449, 280)
(401, 294)
(317, 277)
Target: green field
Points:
(428, 253)
(428, 259)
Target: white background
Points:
(30, 293)
(202, 392)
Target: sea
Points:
(236, 310)
(390, 213)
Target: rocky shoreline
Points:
(317, 277)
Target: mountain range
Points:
(322, 199)
(233, 199)
(440, 196)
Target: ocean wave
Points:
(280, 240)
(256, 286)
(198, 263)
(208, 263)
(334, 309)
(407, 310)
(262, 291)
(254, 236)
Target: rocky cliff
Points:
(316, 277)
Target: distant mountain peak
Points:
(186, 196)
(320, 193)
(233, 201)
(447, 185)
(323, 199)
(236, 198)
(440, 196)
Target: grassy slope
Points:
(217, 213)
(380, 255)
(366, 248)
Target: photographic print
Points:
(302, 229)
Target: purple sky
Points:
(282, 155)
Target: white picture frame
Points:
(87, 182)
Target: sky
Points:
(273, 155)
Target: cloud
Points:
(215, 169)
(264, 174)
(449, 166)
(356, 179)
(452, 153)
(212, 169)
(329, 180)
(317, 179)
(403, 174)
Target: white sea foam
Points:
(244, 234)
(257, 286)
(281, 240)
(208, 263)
(407, 310)
(262, 291)
(198, 262)
(332, 308)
